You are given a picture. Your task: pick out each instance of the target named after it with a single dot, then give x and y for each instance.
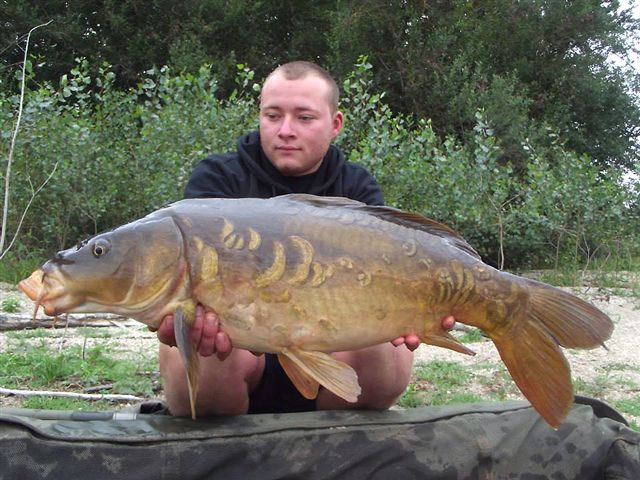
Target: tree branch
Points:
(24, 213)
(7, 179)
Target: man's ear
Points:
(338, 122)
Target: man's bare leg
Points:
(224, 384)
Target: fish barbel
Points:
(301, 276)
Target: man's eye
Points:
(306, 118)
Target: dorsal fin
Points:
(389, 214)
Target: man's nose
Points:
(286, 127)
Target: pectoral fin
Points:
(334, 375)
(182, 329)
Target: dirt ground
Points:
(614, 373)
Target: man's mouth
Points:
(287, 148)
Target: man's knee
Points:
(383, 394)
(383, 372)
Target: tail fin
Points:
(573, 322)
(530, 348)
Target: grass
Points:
(612, 280)
(601, 385)
(617, 367)
(438, 383)
(600, 277)
(445, 383)
(33, 333)
(30, 362)
(92, 332)
(596, 388)
(497, 382)
(617, 272)
(14, 268)
(58, 403)
(630, 406)
(86, 332)
(560, 278)
(10, 305)
(471, 335)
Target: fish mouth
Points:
(47, 291)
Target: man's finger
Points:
(412, 341)
(165, 331)
(196, 328)
(209, 330)
(210, 325)
(223, 345)
(448, 322)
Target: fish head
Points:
(126, 271)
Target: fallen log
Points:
(84, 396)
(16, 321)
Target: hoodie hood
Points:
(316, 183)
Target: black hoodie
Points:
(249, 173)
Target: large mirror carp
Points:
(301, 276)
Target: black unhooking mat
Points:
(505, 440)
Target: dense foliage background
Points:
(504, 119)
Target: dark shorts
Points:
(275, 393)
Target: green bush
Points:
(560, 207)
(121, 154)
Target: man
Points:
(299, 118)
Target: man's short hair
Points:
(300, 69)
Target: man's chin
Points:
(291, 166)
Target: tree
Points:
(529, 65)
(135, 35)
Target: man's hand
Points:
(205, 334)
(412, 341)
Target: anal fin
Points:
(190, 357)
(444, 339)
(334, 375)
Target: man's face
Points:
(296, 123)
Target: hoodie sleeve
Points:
(214, 176)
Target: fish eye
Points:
(99, 249)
